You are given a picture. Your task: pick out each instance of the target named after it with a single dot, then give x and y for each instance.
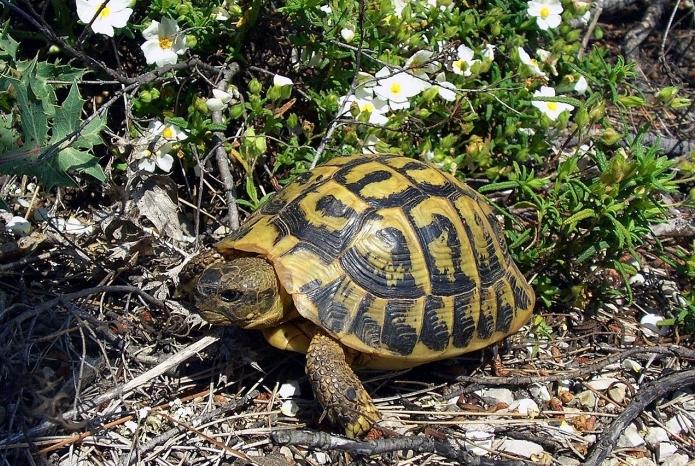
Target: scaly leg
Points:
(337, 387)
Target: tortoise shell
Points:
(394, 258)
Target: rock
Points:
(525, 406)
(521, 447)
(639, 461)
(287, 453)
(321, 457)
(656, 435)
(617, 392)
(564, 386)
(678, 424)
(289, 408)
(649, 326)
(499, 395)
(679, 459)
(631, 365)
(540, 392)
(289, 389)
(601, 383)
(567, 461)
(587, 399)
(664, 450)
(19, 226)
(479, 442)
(630, 438)
(637, 279)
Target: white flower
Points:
(163, 42)
(465, 61)
(442, 4)
(167, 131)
(347, 34)
(326, 9)
(489, 53)
(447, 91)
(397, 89)
(219, 101)
(375, 108)
(221, 12)
(150, 161)
(279, 80)
(114, 15)
(531, 63)
(546, 12)
(551, 109)
(581, 86)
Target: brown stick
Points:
(637, 35)
(649, 393)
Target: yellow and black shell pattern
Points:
(393, 257)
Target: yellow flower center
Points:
(552, 106)
(545, 12)
(168, 133)
(395, 88)
(367, 107)
(165, 42)
(104, 12)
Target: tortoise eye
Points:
(230, 295)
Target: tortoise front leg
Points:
(337, 387)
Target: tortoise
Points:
(380, 262)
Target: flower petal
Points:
(150, 31)
(146, 164)
(165, 162)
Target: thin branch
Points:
(590, 30)
(417, 443)
(647, 394)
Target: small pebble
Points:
(587, 399)
(289, 408)
(664, 450)
(649, 326)
(289, 389)
(656, 435)
(321, 457)
(19, 226)
(678, 424)
(600, 383)
(568, 461)
(632, 365)
(525, 406)
(637, 279)
(617, 392)
(630, 438)
(478, 442)
(679, 459)
(540, 392)
(499, 395)
(521, 447)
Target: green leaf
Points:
(80, 161)
(578, 217)
(8, 46)
(178, 121)
(34, 121)
(67, 116)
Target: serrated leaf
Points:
(216, 126)
(79, 161)
(34, 121)
(8, 46)
(90, 135)
(67, 115)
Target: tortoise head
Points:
(242, 291)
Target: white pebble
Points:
(617, 392)
(630, 438)
(521, 447)
(289, 408)
(131, 426)
(540, 392)
(19, 226)
(679, 459)
(321, 457)
(678, 424)
(525, 406)
(632, 365)
(289, 389)
(568, 461)
(73, 226)
(601, 383)
(664, 450)
(637, 279)
(478, 442)
(656, 435)
(649, 325)
(499, 395)
(587, 399)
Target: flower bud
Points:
(597, 111)
(255, 86)
(610, 136)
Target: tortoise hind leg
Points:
(337, 387)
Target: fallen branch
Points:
(648, 394)
(473, 383)
(416, 443)
(637, 35)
